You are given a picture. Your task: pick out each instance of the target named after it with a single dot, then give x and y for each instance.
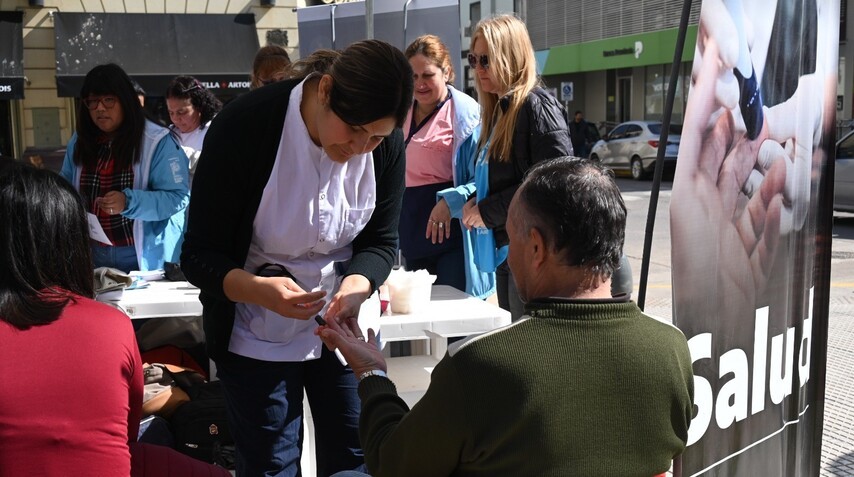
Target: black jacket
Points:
(581, 134)
(540, 134)
(237, 158)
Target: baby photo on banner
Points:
(748, 196)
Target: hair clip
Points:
(196, 85)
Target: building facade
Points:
(40, 119)
(611, 59)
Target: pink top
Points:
(430, 153)
(70, 394)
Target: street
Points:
(837, 457)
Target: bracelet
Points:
(373, 372)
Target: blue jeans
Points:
(264, 408)
(121, 258)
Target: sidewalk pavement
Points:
(837, 450)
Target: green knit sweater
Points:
(586, 388)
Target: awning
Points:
(642, 49)
(11, 55)
(154, 48)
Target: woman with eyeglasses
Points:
(521, 125)
(441, 133)
(191, 107)
(295, 210)
(130, 172)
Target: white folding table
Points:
(450, 313)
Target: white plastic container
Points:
(410, 291)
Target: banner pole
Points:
(662, 146)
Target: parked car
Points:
(632, 147)
(843, 176)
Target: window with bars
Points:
(558, 22)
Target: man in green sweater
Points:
(585, 384)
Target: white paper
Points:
(149, 276)
(96, 232)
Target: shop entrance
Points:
(6, 145)
(624, 99)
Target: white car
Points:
(632, 147)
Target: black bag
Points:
(201, 428)
(156, 430)
(173, 272)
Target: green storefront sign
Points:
(644, 49)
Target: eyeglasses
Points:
(191, 88)
(108, 101)
(484, 61)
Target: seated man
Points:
(584, 384)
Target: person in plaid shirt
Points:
(130, 172)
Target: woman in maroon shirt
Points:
(70, 372)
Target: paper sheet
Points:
(96, 232)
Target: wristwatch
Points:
(373, 372)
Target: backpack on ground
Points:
(200, 426)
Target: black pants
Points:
(508, 296)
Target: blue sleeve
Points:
(456, 197)
(67, 171)
(167, 191)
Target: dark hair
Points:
(101, 80)
(318, 62)
(577, 112)
(577, 207)
(187, 87)
(44, 246)
(6, 161)
(137, 88)
(268, 59)
(371, 80)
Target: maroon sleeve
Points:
(135, 389)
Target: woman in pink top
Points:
(441, 131)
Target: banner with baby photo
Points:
(750, 227)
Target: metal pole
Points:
(332, 23)
(369, 19)
(405, 20)
(662, 146)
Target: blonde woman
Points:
(521, 125)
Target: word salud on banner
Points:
(731, 403)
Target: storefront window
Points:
(655, 89)
(657, 81)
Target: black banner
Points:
(748, 205)
(11, 55)
(154, 48)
